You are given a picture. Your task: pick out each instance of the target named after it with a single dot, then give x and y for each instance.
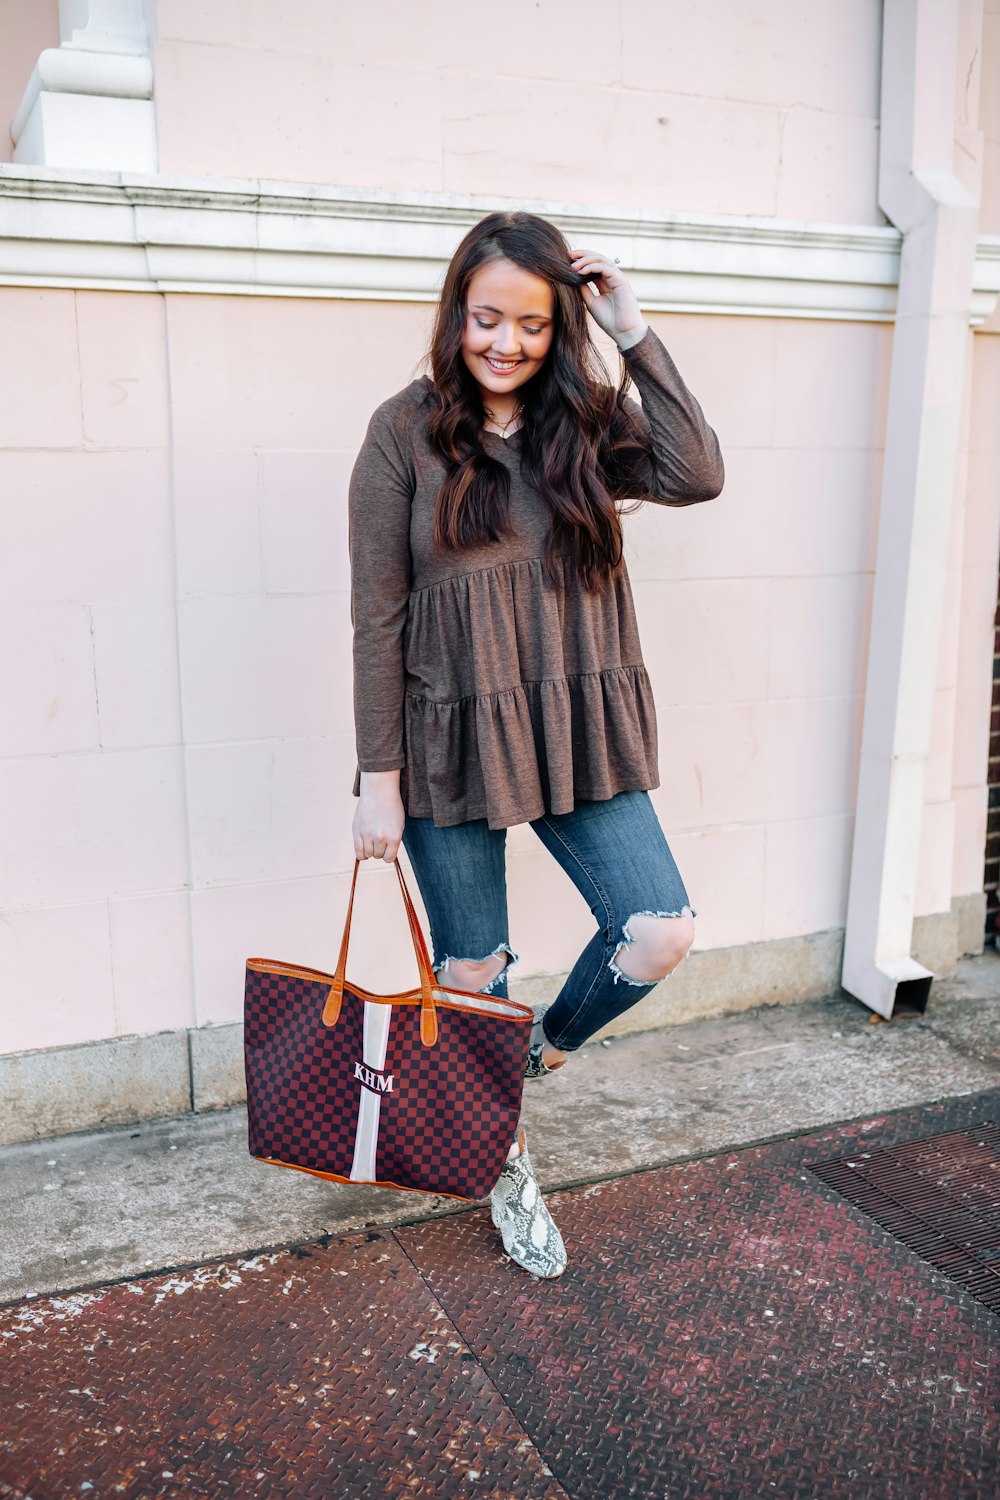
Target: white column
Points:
(90, 100)
(938, 217)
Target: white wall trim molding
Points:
(69, 70)
(121, 231)
(88, 103)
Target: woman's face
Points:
(508, 327)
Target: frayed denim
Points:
(616, 854)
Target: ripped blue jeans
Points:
(616, 854)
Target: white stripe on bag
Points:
(376, 1043)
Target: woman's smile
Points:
(502, 366)
(508, 307)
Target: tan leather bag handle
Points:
(428, 1013)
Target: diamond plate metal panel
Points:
(330, 1372)
(730, 1327)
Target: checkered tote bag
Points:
(417, 1090)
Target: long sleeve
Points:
(379, 504)
(687, 460)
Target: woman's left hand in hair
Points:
(614, 306)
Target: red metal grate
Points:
(939, 1195)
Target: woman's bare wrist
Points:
(376, 780)
(632, 337)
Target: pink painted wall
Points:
(763, 107)
(177, 753)
(989, 117)
(209, 742)
(26, 28)
(968, 641)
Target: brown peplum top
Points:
(495, 693)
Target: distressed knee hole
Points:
(652, 948)
(479, 974)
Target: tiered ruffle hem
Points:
(522, 698)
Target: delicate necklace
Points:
(504, 427)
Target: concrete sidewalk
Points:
(100, 1207)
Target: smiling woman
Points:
(505, 342)
(498, 674)
(511, 351)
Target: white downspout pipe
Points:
(939, 219)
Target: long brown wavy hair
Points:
(581, 447)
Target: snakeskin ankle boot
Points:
(535, 1066)
(518, 1210)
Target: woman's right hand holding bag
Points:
(379, 816)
